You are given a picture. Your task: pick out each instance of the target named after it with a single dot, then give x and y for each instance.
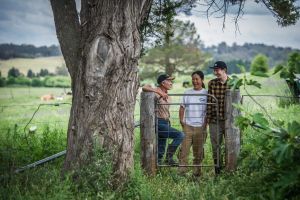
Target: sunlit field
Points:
(35, 64)
(32, 129)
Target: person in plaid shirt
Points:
(217, 87)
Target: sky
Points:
(31, 22)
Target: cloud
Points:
(27, 22)
(257, 25)
(31, 22)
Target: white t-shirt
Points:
(195, 107)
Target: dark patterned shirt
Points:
(217, 89)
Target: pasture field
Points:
(19, 148)
(35, 64)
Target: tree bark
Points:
(104, 77)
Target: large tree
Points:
(101, 51)
(180, 53)
(101, 48)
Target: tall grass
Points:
(252, 180)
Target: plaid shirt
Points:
(217, 89)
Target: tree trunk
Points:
(104, 77)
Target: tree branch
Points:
(68, 32)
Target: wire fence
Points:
(274, 107)
(31, 116)
(22, 117)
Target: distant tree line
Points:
(8, 51)
(41, 79)
(244, 54)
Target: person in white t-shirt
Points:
(192, 114)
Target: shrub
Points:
(271, 160)
(259, 64)
(21, 80)
(57, 81)
(94, 179)
(11, 80)
(37, 82)
(13, 72)
(30, 74)
(2, 82)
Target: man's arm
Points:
(148, 88)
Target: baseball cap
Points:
(219, 64)
(163, 77)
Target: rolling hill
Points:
(35, 64)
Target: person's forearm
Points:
(148, 88)
(181, 115)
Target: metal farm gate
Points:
(150, 139)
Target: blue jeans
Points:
(165, 131)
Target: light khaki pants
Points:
(195, 137)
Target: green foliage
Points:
(276, 163)
(30, 74)
(244, 54)
(13, 72)
(57, 81)
(259, 65)
(235, 82)
(234, 66)
(93, 181)
(22, 80)
(250, 181)
(292, 67)
(252, 82)
(43, 72)
(288, 72)
(160, 19)
(286, 12)
(259, 73)
(37, 82)
(180, 52)
(2, 81)
(149, 72)
(19, 149)
(49, 81)
(95, 178)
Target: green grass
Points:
(18, 148)
(35, 64)
(17, 106)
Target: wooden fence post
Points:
(232, 133)
(147, 129)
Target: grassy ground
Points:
(35, 64)
(18, 148)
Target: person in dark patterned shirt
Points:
(217, 88)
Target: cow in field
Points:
(47, 97)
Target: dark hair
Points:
(199, 73)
